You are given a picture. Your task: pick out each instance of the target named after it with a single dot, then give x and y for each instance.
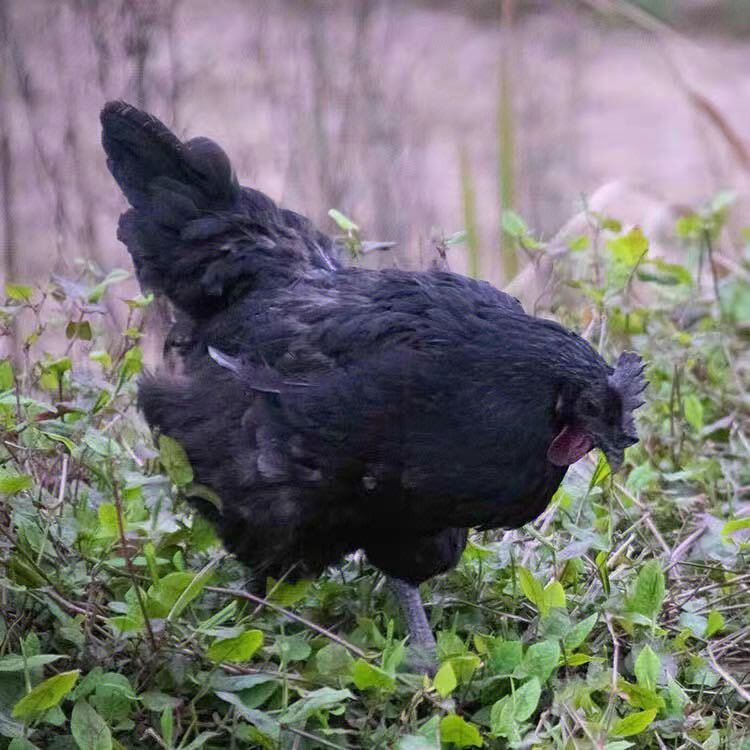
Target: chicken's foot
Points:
(422, 647)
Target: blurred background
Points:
(415, 118)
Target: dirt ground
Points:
(366, 107)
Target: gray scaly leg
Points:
(422, 647)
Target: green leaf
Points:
(6, 375)
(322, 699)
(79, 330)
(238, 648)
(108, 524)
(182, 586)
(58, 366)
(19, 292)
(17, 663)
(132, 362)
(344, 222)
(286, 593)
(114, 276)
(291, 648)
(334, 660)
(45, 695)
(461, 733)
(445, 681)
(736, 524)
(540, 660)
(640, 697)
(579, 632)
(633, 723)
(505, 656)
(647, 668)
(175, 461)
(19, 743)
(648, 593)
(554, 595)
(89, 730)
(263, 721)
(532, 589)
(581, 242)
(714, 623)
(629, 248)
(693, 411)
(11, 482)
(502, 723)
(367, 676)
(166, 724)
(525, 699)
(513, 224)
(464, 666)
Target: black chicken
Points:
(335, 409)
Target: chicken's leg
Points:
(422, 646)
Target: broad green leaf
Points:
(525, 699)
(647, 668)
(266, 723)
(736, 524)
(6, 375)
(532, 589)
(175, 461)
(45, 695)
(291, 648)
(166, 724)
(461, 733)
(633, 723)
(58, 366)
(445, 681)
(502, 723)
(19, 292)
(322, 699)
(367, 676)
(238, 648)
(198, 582)
(11, 482)
(19, 743)
(108, 523)
(132, 362)
(554, 595)
(334, 660)
(17, 663)
(714, 623)
(464, 666)
(505, 656)
(648, 593)
(89, 730)
(540, 660)
(579, 632)
(693, 411)
(513, 224)
(176, 590)
(449, 644)
(640, 697)
(79, 330)
(628, 248)
(286, 593)
(102, 357)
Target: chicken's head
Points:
(600, 415)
